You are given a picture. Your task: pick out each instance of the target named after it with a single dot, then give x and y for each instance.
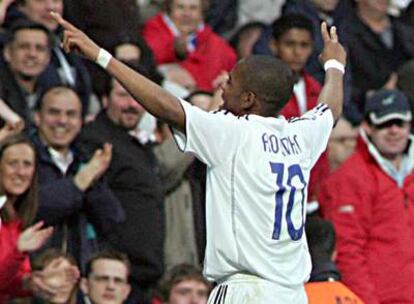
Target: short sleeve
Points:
(315, 126)
(211, 136)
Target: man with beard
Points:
(26, 54)
(132, 177)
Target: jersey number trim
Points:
(293, 171)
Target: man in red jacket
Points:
(187, 50)
(370, 200)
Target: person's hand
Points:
(220, 80)
(175, 73)
(34, 237)
(180, 46)
(34, 283)
(74, 40)
(55, 279)
(11, 128)
(4, 5)
(95, 168)
(57, 274)
(332, 49)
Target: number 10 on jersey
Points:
(292, 171)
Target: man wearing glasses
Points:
(370, 200)
(106, 278)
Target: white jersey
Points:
(257, 175)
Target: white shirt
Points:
(62, 161)
(299, 89)
(253, 165)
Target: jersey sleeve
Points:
(315, 126)
(211, 136)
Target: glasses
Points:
(394, 122)
(104, 279)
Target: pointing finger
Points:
(65, 24)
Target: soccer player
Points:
(257, 166)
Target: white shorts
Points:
(249, 289)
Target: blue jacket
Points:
(81, 219)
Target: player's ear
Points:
(248, 100)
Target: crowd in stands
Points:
(97, 203)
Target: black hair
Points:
(291, 21)
(321, 238)
(25, 24)
(136, 66)
(146, 59)
(234, 41)
(270, 79)
(46, 90)
(108, 254)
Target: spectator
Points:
(106, 278)
(184, 284)
(64, 69)
(132, 176)
(317, 11)
(187, 50)
(65, 293)
(180, 234)
(27, 54)
(369, 200)
(71, 196)
(293, 43)
(17, 237)
(324, 285)
(378, 45)
(341, 144)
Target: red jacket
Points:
(291, 109)
(14, 265)
(374, 222)
(211, 56)
(312, 90)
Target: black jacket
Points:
(371, 61)
(132, 177)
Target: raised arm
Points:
(152, 97)
(332, 57)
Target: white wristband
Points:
(334, 64)
(103, 58)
